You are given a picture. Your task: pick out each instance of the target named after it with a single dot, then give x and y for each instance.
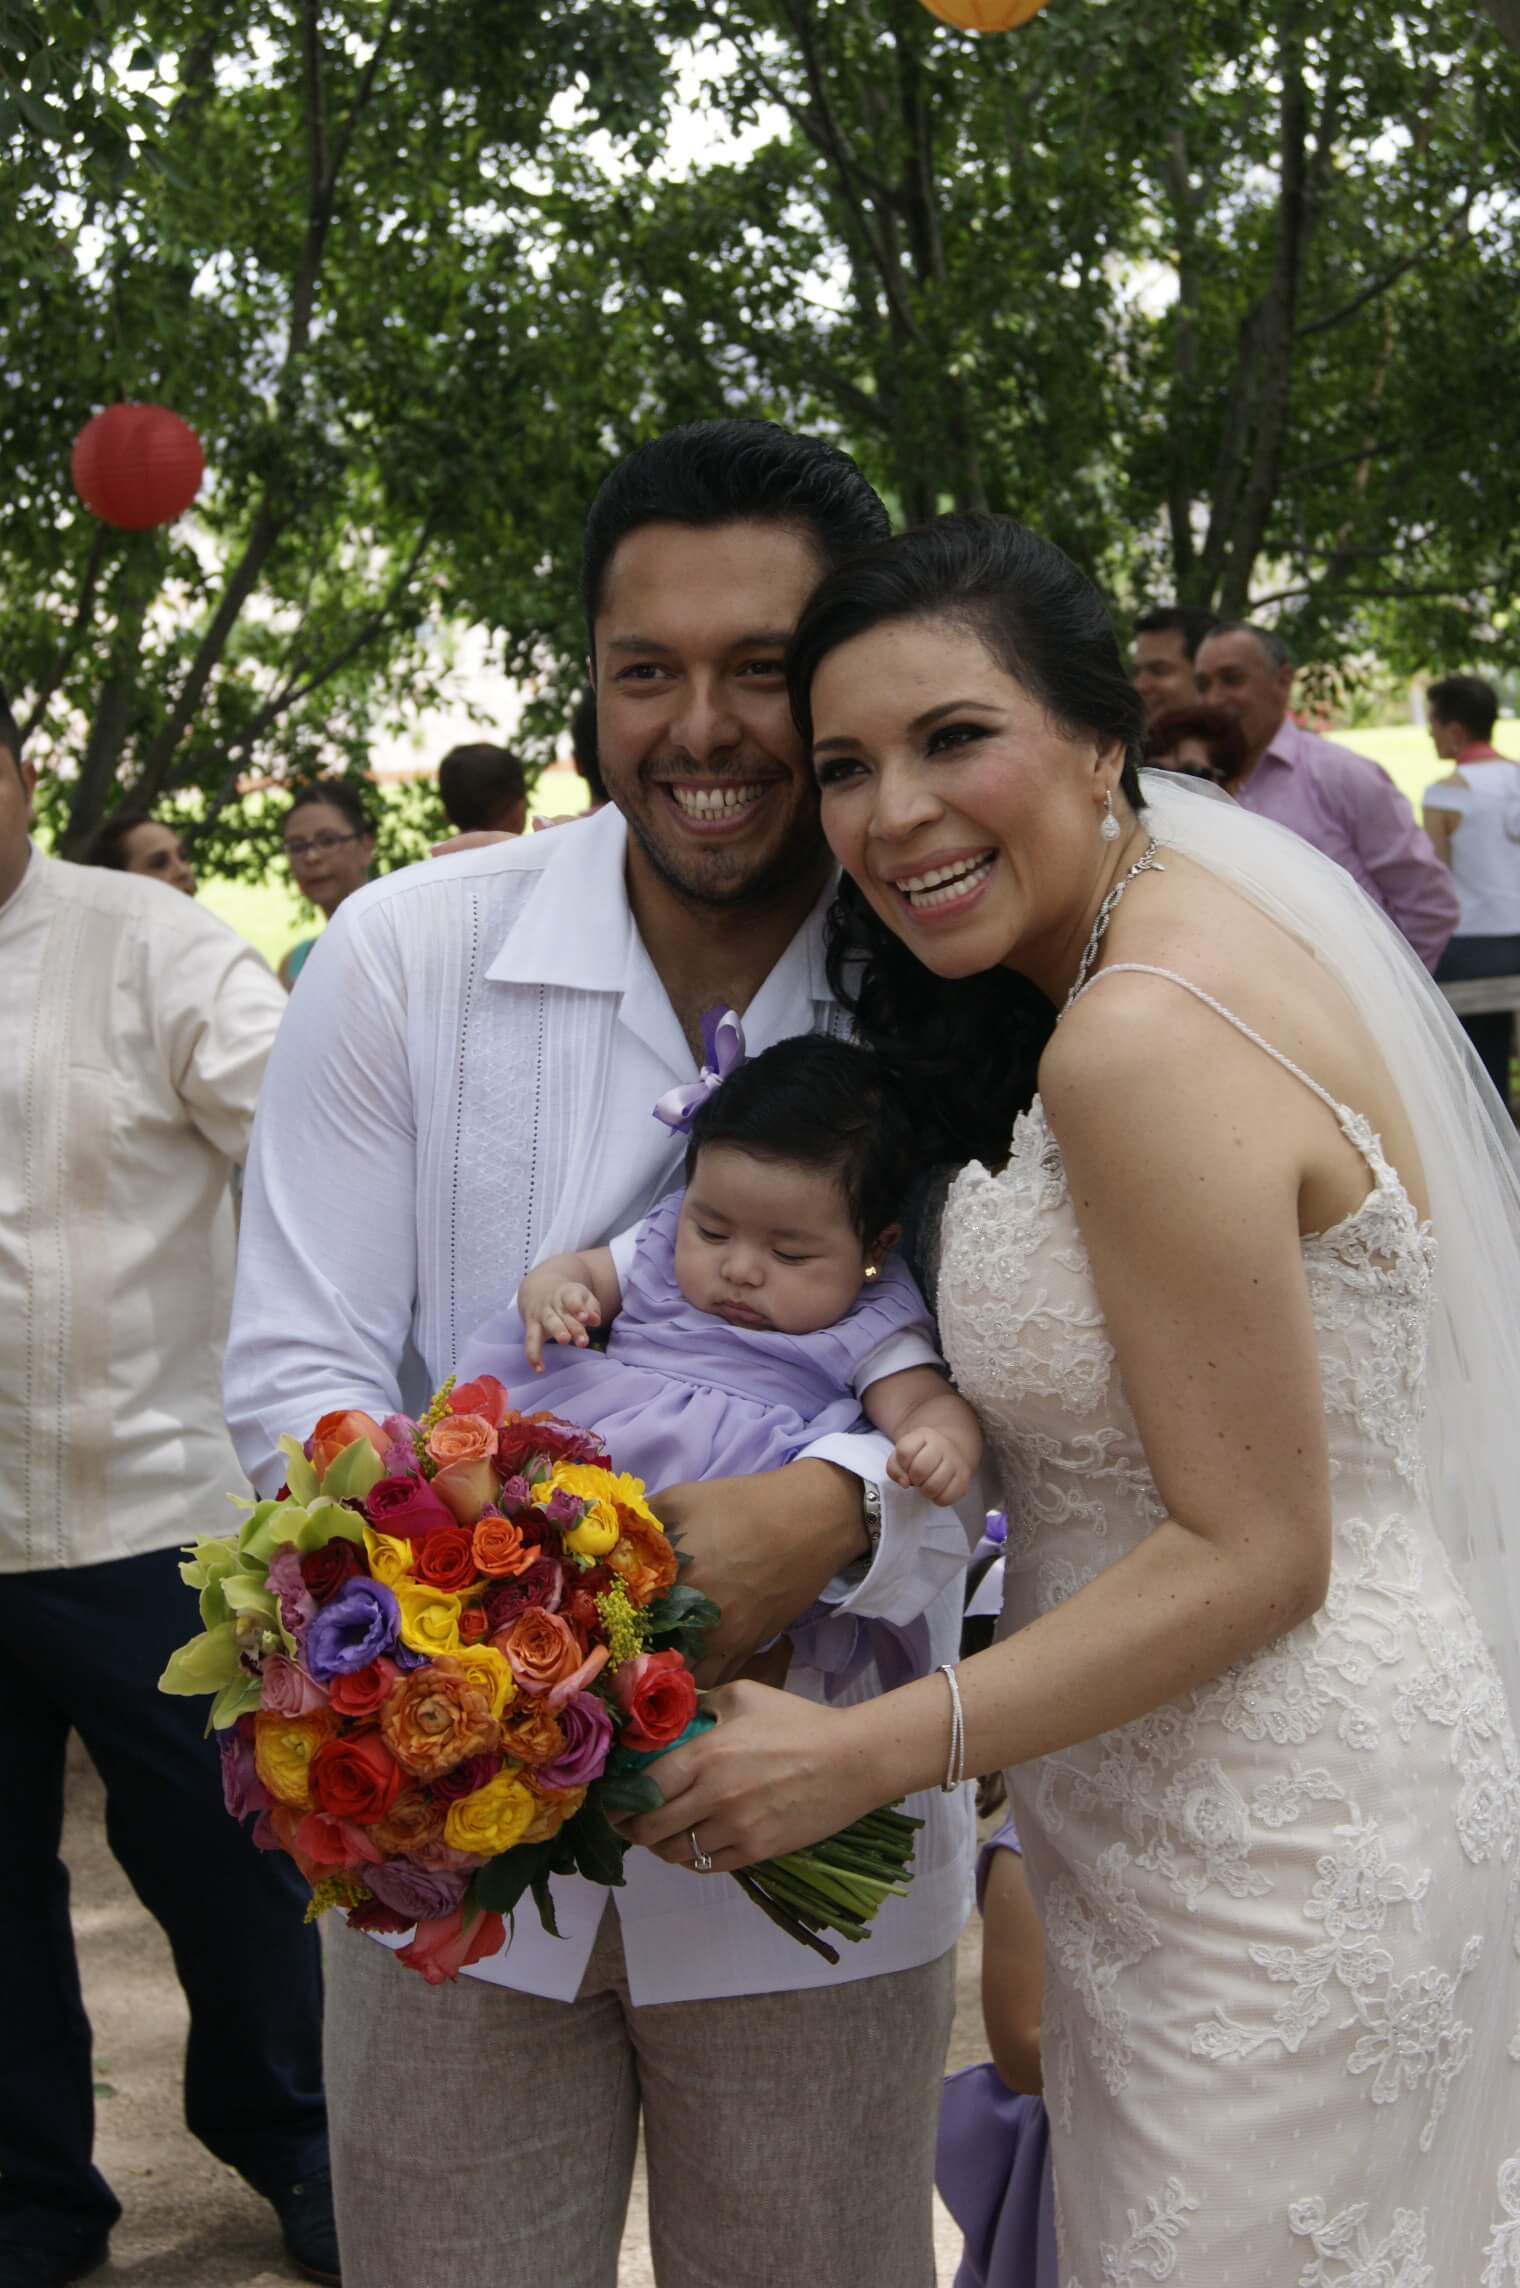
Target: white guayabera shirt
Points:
(464, 1085)
(134, 1030)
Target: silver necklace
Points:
(1148, 862)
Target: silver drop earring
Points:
(1110, 830)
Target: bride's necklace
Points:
(1148, 862)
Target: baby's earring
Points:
(1110, 830)
(873, 1270)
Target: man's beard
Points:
(701, 893)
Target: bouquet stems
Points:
(838, 1884)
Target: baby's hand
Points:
(926, 1459)
(562, 1310)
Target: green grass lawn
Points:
(1406, 754)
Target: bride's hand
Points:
(776, 1773)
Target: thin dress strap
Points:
(1349, 1121)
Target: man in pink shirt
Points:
(1335, 798)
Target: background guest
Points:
(134, 1031)
(132, 842)
(1473, 818)
(1332, 796)
(1202, 742)
(329, 843)
(1166, 645)
(484, 790)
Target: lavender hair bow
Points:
(722, 1053)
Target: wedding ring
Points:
(700, 1860)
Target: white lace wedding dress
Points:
(1282, 2015)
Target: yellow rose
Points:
(492, 1819)
(490, 1669)
(598, 1530)
(429, 1618)
(390, 1560)
(283, 1747)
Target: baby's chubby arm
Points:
(563, 1296)
(938, 1440)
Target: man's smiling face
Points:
(697, 743)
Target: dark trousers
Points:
(84, 1649)
(1492, 1033)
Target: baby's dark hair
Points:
(823, 1104)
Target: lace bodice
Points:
(1292, 1891)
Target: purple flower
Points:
(351, 1630)
(401, 1454)
(418, 1892)
(587, 1725)
(564, 1510)
(516, 1495)
(465, 1778)
(443, 1859)
(286, 1690)
(284, 1583)
(243, 1792)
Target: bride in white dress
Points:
(1239, 1307)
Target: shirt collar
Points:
(578, 930)
(1479, 752)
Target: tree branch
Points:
(1435, 244)
(1375, 595)
(68, 649)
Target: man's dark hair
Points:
(1277, 652)
(821, 1104)
(583, 746)
(1465, 699)
(478, 784)
(10, 734)
(342, 794)
(107, 846)
(731, 472)
(1190, 621)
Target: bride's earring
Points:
(1110, 830)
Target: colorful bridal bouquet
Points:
(444, 1654)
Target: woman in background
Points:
(130, 842)
(329, 844)
(1202, 742)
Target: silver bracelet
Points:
(955, 1765)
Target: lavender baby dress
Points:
(679, 1395)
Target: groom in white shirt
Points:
(463, 1085)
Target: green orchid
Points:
(208, 1663)
(300, 1477)
(356, 1469)
(273, 1525)
(209, 1565)
(240, 1698)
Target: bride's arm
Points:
(1185, 1149)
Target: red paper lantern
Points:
(136, 466)
(984, 15)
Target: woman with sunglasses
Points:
(329, 846)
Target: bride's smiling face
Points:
(967, 818)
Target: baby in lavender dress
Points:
(764, 1307)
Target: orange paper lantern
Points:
(984, 15)
(136, 466)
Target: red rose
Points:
(324, 1571)
(522, 1437)
(446, 1560)
(356, 1779)
(406, 1507)
(373, 1917)
(482, 1396)
(365, 1692)
(465, 1778)
(658, 1696)
(579, 1609)
(474, 1628)
(543, 1585)
(445, 1946)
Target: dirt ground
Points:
(189, 2222)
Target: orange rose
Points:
(643, 1560)
(462, 1438)
(436, 1717)
(283, 1747)
(541, 1649)
(552, 1812)
(335, 1431)
(500, 1549)
(531, 1735)
(413, 1820)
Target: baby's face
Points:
(766, 1243)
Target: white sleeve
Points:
(624, 1248)
(327, 1259)
(922, 1548)
(904, 1347)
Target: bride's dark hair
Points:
(967, 1048)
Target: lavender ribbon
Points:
(723, 1053)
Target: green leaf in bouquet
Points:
(356, 1469)
(543, 1899)
(240, 1698)
(300, 1477)
(205, 1664)
(682, 1607)
(497, 1887)
(246, 1593)
(598, 1847)
(630, 1793)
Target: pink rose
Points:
(285, 1690)
(406, 1507)
(444, 1947)
(469, 1488)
